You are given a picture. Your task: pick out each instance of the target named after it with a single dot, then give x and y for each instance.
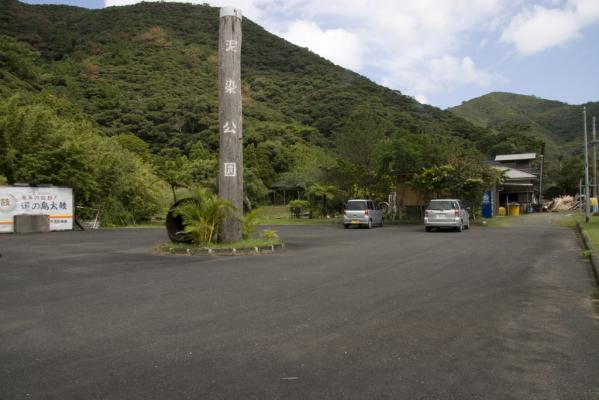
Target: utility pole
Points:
(541, 177)
(594, 159)
(587, 197)
(580, 195)
(230, 179)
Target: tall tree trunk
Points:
(174, 193)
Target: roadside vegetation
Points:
(203, 213)
(591, 229)
(284, 215)
(122, 105)
(497, 222)
(264, 241)
(564, 219)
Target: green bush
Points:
(296, 207)
(43, 141)
(270, 235)
(250, 221)
(203, 214)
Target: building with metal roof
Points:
(515, 157)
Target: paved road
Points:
(392, 313)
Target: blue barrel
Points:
(487, 206)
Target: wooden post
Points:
(230, 181)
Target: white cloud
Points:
(421, 99)
(338, 45)
(440, 74)
(418, 46)
(409, 45)
(538, 28)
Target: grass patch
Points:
(243, 244)
(569, 220)
(280, 215)
(269, 212)
(298, 221)
(592, 230)
(246, 244)
(195, 249)
(498, 222)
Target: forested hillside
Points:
(554, 121)
(558, 124)
(143, 79)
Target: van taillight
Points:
(426, 213)
(457, 213)
(366, 212)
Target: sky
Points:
(441, 52)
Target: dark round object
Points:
(175, 226)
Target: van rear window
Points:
(356, 205)
(441, 205)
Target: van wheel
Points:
(428, 228)
(346, 226)
(369, 224)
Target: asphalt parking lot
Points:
(391, 313)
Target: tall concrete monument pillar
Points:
(230, 180)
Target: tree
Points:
(323, 192)
(175, 172)
(43, 140)
(18, 58)
(356, 141)
(435, 181)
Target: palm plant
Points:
(202, 214)
(324, 192)
(250, 221)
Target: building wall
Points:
(407, 196)
(522, 165)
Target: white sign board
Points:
(230, 169)
(55, 202)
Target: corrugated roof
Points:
(512, 173)
(515, 157)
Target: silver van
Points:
(361, 212)
(446, 213)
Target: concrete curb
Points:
(191, 251)
(588, 245)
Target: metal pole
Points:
(580, 195)
(541, 177)
(594, 160)
(230, 180)
(587, 209)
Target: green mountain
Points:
(150, 69)
(557, 124)
(553, 121)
